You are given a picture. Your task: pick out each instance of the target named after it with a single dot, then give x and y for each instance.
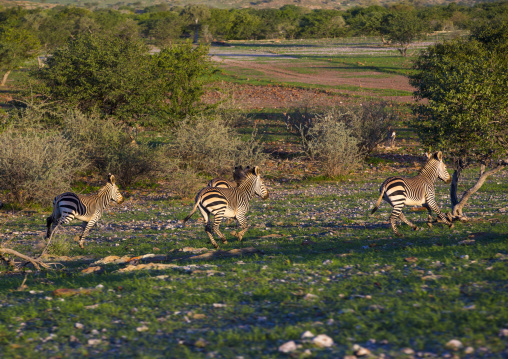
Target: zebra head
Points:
(116, 196)
(259, 187)
(436, 159)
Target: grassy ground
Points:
(322, 265)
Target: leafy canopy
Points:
(465, 83)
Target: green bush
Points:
(35, 167)
(212, 145)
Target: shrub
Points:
(109, 147)
(35, 167)
(330, 141)
(369, 122)
(212, 146)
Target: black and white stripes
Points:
(68, 206)
(415, 191)
(229, 203)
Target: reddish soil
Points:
(258, 97)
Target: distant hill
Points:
(227, 4)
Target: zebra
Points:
(89, 208)
(415, 191)
(224, 183)
(229, 203)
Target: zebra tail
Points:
(192, 212)
(378, 203)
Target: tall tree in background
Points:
(465, 83)
(16, 47)
(402, 28)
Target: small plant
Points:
(59, 246)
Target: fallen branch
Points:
(35, 262)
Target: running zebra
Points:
(224, 183)
(229, 203)
(415, 191)
(68, 206)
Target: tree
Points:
(104, 72)
(465, 83)
(16, 47)
(184, 71)
(402, 28)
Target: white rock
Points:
(408, 351)
(94, 341)
(503, 333)
(469, 350)
(465, 256)
(79, 326)
(362, 352)
(142, 328)
(310, 296)
(323, 341)
(307, 334)
(288, 347)
(454, 344)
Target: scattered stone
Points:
(465, 256)
(93, 306)
(94, 341)
(219, 305)
(408, 351)
(454, 344)
(467, 242)
(411, 259)
(91, 270)
(503, 332)
(198, 316)
(360, 351)
(469, 350)
(375, 307)
(502, 210)
(288, 347)
(310, 296)
(143, 328)
(349, 357)
(322, 341)
(79, 326)
(307, 334)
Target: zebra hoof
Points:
(429, 224)
(415, 228)
(81, 245)
(233, 233)
(451, 225)
(398, 234)
(224, 242)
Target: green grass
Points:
(367, 293)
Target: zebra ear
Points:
(256, 170)
(111, 178)
(427, 155)
(439, 155)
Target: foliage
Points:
(183, 72)
(332, 142)
(212, 146)
(35, 167)
(110, 148)
(402, 28)
(465, 85)
(16, 47)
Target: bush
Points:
(35, 167)
(109, 147)
(369, 122)
(212, 146)
(330, 141)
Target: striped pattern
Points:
(89, 209)
(229, 203)
(415, 191)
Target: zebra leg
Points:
(49, 224)
(208, 225)
(429, 217)
(393, 218)
(242, 221)
(216, 223)
(407, 221)
(85, 233)
(433, 205)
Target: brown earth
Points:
(258, 97)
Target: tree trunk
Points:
(457, 205)
(4, 79)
